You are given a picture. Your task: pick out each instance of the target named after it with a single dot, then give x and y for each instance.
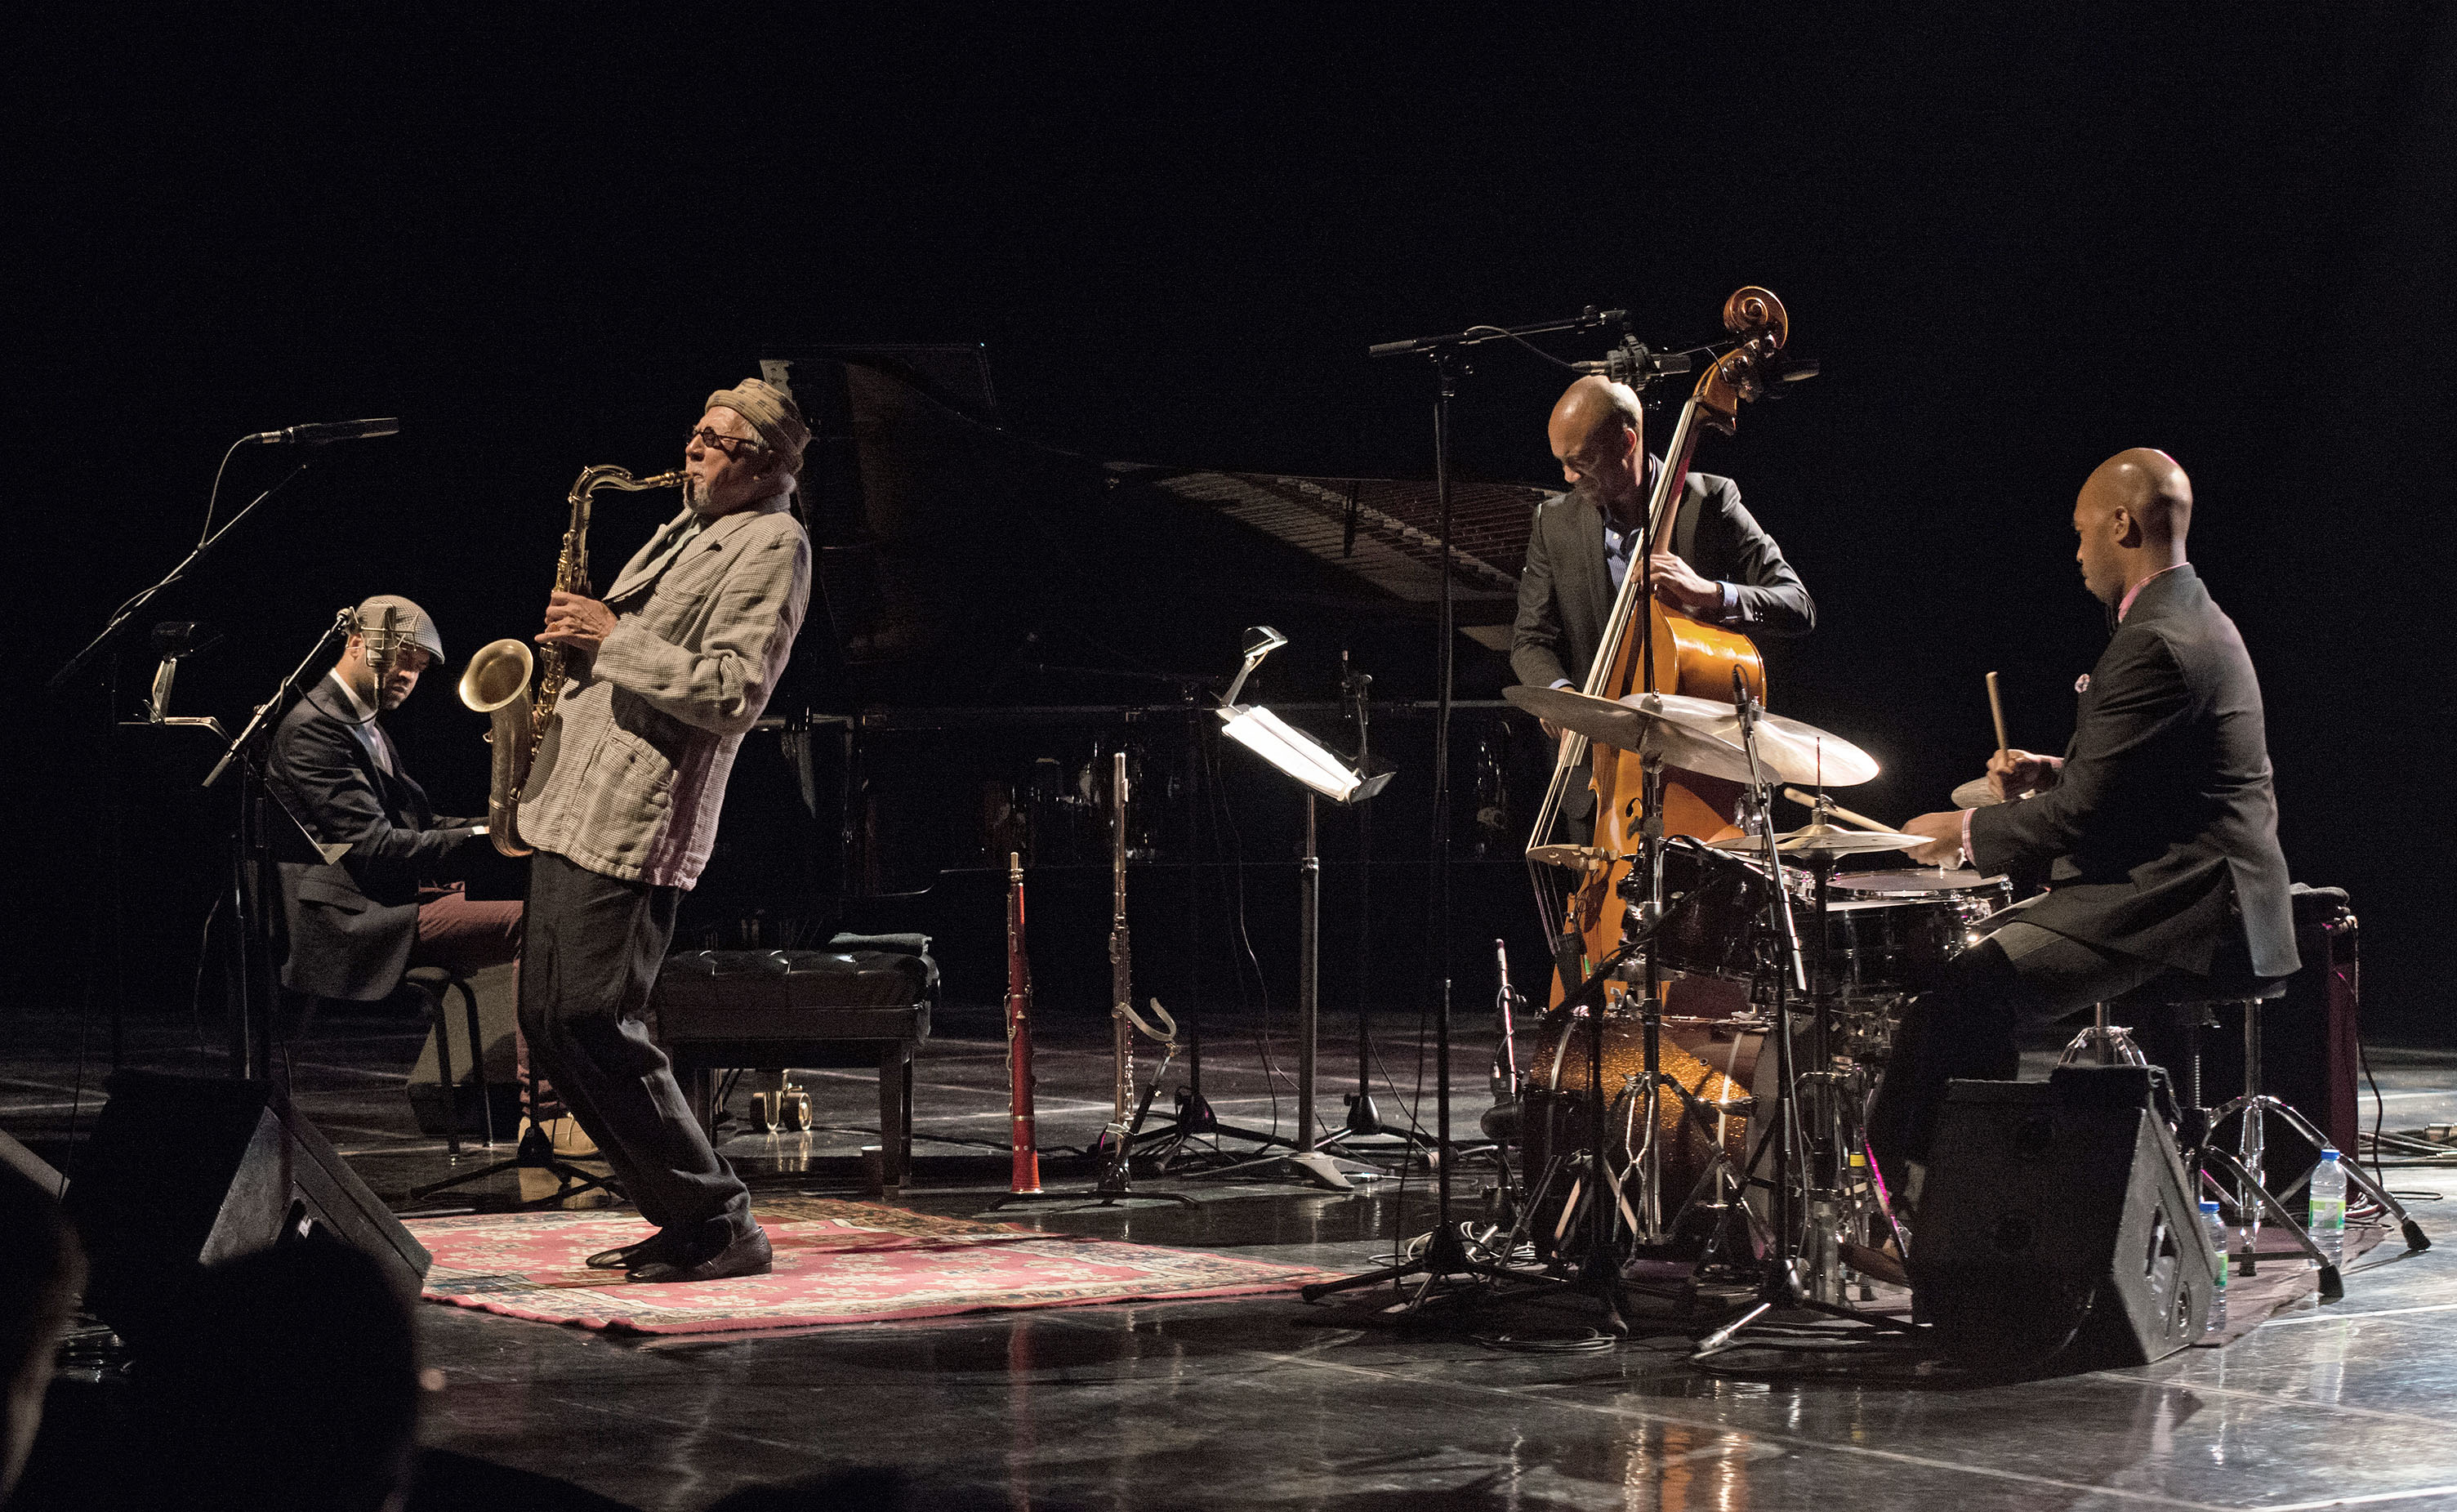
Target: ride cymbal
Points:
(1700, 734)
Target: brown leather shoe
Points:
(746, 1253)
(659, 1245)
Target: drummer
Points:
(2156, 830)
(1721, 567)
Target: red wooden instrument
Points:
(1027, 1178)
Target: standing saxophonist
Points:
(664, 676)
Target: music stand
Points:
(1324, 772)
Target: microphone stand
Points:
(253, 880)
(1364, 1119)
(1445, 1252)
(85, 658)
(130, 610)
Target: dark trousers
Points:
(2019, 977)
(593, 947)
(464, 935)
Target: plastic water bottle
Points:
(2218, 1233)
(2328, 1225)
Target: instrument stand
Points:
(1780, 1285)
(1115, 1148)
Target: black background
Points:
(2019, 239)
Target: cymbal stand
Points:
(1779, 1280)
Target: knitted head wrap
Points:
(773, 413)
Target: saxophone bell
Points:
(496, 684)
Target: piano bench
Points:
(865, 1001)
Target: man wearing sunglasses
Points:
(667, 673)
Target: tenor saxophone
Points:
(497, 675)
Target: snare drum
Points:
(1890, 933)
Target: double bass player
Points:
(1721, 567)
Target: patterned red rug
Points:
(837, 1262)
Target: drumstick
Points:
(1809, 800)
(1996, 707)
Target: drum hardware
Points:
(1812, 800)
(1814, 1159)
(2101, 1042)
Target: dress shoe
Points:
(659, 1245)
(745, 1252)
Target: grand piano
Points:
(992, 619)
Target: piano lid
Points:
(953, 554)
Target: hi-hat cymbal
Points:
(1823, 839)
(1578, 857)
(1700, 734)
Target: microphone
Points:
(325, 432)
(1633, 364)
(381, 642)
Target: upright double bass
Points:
(1650, 647)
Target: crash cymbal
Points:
(1823, 839)
(1701, 735)
(1578, 857)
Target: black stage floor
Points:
(1276, 1403)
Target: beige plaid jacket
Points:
(631, 771)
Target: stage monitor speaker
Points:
(2058, 1223)
(181, 1172)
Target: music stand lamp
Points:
(1320, 771)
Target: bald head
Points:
(1597, 433)
(2131, 516)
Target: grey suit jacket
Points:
(630, 774)
(2160, 839)
(1565, 592)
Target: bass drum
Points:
(1724, 1064)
